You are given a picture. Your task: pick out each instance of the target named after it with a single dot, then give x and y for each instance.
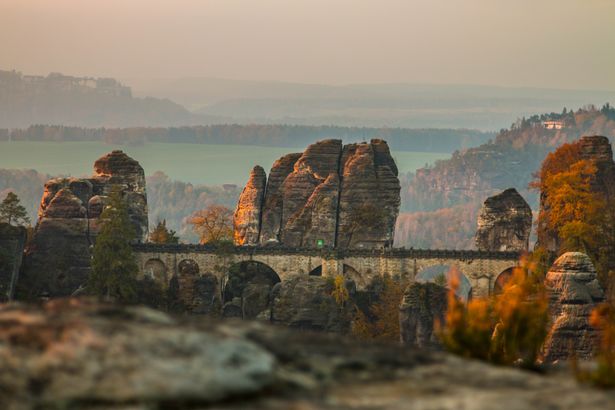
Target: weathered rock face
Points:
(596, 149)
(504, 223)
(305, 302)
(57, 261)
(12, 243)
(423, 305)
(71, 355)
(248, 212)
(345, 196)
(574, 292)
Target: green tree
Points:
(12, 212)
(162, 234)
(114, 269)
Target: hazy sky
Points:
(551, 43)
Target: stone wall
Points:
(331, 195)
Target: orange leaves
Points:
(213, 224)
(502, 329)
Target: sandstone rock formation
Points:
(73, 355)
(12, 243)
(305, 302)
(596, 149)
(57, 261)
(574, 292)
(343, 196)
(504, 223)
(423, 305)
(248, 213)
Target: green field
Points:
(195, 163)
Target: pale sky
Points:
(545, 43)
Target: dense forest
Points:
(451, 192)
(281, 135)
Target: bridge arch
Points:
(502, 279)
(443, 273)
(155, 269)
(246, 289)
(317, 271)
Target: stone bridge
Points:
(481, 269)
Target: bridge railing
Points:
(327, 252)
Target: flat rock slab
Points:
(79, 355)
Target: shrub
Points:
(507, 328)
(382, 322)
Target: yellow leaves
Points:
(340, 293)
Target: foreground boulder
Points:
(574, 291)
(57, 261)
(332, 195)
(504, 223)
(72, 355)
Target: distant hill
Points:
(83, 101)
(508, 161)
(369, 105)
(440, 203)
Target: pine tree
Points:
(161, 234)
(114, 269)
(12, 212)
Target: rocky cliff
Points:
(596, 149)
(346, 196)
(69, 354)
(504, 223)
(12, 243)
(57, 261)
(574, 291)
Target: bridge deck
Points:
(330, 253)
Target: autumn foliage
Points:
(506, 328)
(382, 321)
(574, 213)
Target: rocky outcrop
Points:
(574, 291)
(423, 306)
(246, 222)
(57, 261)
(12, 243)
(596, 149)
(305, 302)
(504, 223)
(74, 355)
(330, 195)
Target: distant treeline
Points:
(402, 139)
